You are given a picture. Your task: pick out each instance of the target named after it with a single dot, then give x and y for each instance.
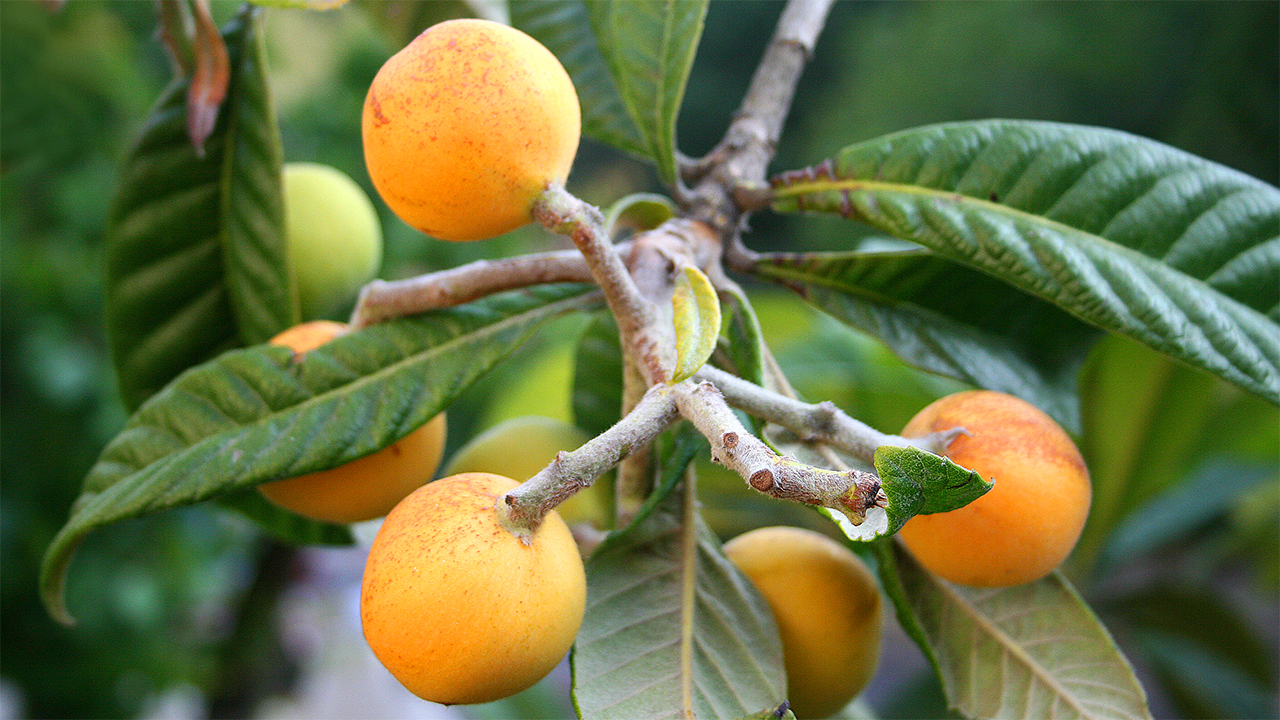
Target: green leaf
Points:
(597, 376)
(639, 212)
(672, 628)
(1150, 421)
(564, 27)
(745, 349)
(255, 415)
(1033, 650)
(648, 46)
(915, 482)
(1127, 234)
(696, 313)
(1209, 492)
(196, 258)
(251, 198)
(949, 319)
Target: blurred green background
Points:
(196, 614)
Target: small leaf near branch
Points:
(915, 481)
(697, 321)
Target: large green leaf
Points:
(196, 260)
(1127, 234)
(948, 319)
(255, 415)
(563, 26)
(672, 628)
(1029, 651)
(648, 46)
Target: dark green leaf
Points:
(563, 26)
(648, 46)
(1127, 234)
(597, 376)
(1033, 650)
(672, 628)
(254, 248)
(1209, 492)
(256, 415)
(1203, 684)
(948, 319)
(195, 247)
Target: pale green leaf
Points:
(1029, 651)
(696, 315)
(672, 628)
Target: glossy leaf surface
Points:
(1127, 234)
(259, 414)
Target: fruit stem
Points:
(851, 492)
(561, 212)
(382, 300)
(521, 510)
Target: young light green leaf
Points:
(948, 319)
(1033, 650)
(196, 260)
(563, 26)
(1127, 234)
(672, 628)
(648, 46)
(697, 321)
(255, 415)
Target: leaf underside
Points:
(562, 26)
(257, 414)
(648, 46)
(672, 629)
(1126, 234)
(1033, 650)
(948, 319)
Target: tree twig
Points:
(382, 300)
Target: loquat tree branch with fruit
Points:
(1020, 245)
